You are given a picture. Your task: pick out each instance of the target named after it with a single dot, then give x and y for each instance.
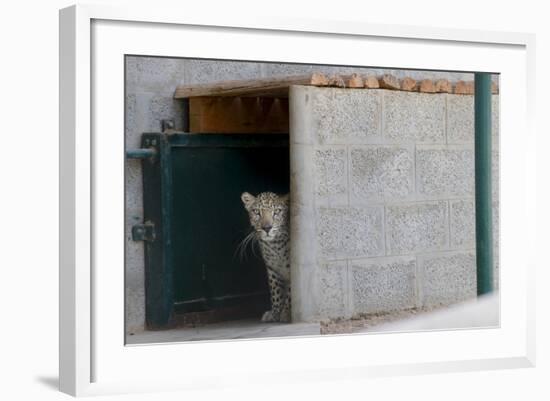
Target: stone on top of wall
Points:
(355, 81)
(408, 84)
(443, 86)
(464, 88)
(388, 81)
(371, 82)
(427, 86)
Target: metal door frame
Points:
(155, 230)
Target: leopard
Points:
(269, 220)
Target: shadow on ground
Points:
(51, 382)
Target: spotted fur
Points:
(269, 218)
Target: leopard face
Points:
(268, 213)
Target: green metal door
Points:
(192, 189)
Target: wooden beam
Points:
(241, 115)
(275, 87)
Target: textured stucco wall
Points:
(387, 221)
(150, 84)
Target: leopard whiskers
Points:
(251, 240)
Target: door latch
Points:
(144, 232)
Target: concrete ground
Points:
(233, 330)
(481, 312)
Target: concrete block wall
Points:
(150, 84)
(382, 200)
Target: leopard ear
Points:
(247, 199)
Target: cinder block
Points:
(381, 172)
(495, 177)
(141, 121)
(331, 171)
(279, 69)
(463, 224)
(135, 312)
(157, 75)
(496, 272)
(343, 116)
(165, 108)
(132, 139)
(302, 174)
(333, 290)
(145, 112)
(460, 119)
(205, 71)
(416, 227)
(133, 185)
(414, 117)
(301, 118)
(496, 225)
(383, 285)
(495, 121)
(445, 171)
(435, 75)
(349, 232)
(447, 278)
(134, 273)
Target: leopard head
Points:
(268, 213)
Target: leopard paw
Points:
(285, 316)
(268, 317)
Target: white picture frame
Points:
(93, 357)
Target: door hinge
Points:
(144, 232)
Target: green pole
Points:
(483, 190)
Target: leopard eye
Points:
(256, 212)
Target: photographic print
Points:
(267, 200)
